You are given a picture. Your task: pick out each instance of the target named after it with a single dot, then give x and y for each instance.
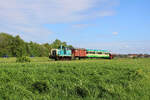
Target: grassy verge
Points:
(41, 79)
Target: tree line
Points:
(14, 46)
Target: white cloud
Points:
(115, 33)
(28, 16)
(82, 25)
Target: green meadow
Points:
(100, 79)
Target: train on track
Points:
(65, 53)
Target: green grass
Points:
(44, 79)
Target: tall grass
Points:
(118, 79)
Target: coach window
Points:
(92, 52)
(99, 52)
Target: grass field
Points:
(44, 79)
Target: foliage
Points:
(117, 79)
(14, 46)
(23, 59)
(5, 44)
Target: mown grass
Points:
(43, 79)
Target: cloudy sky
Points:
(122, 26)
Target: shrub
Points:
(23, 59)
(134, 57)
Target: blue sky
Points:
(121, 26)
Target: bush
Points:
(134, 57)
(23, 59)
